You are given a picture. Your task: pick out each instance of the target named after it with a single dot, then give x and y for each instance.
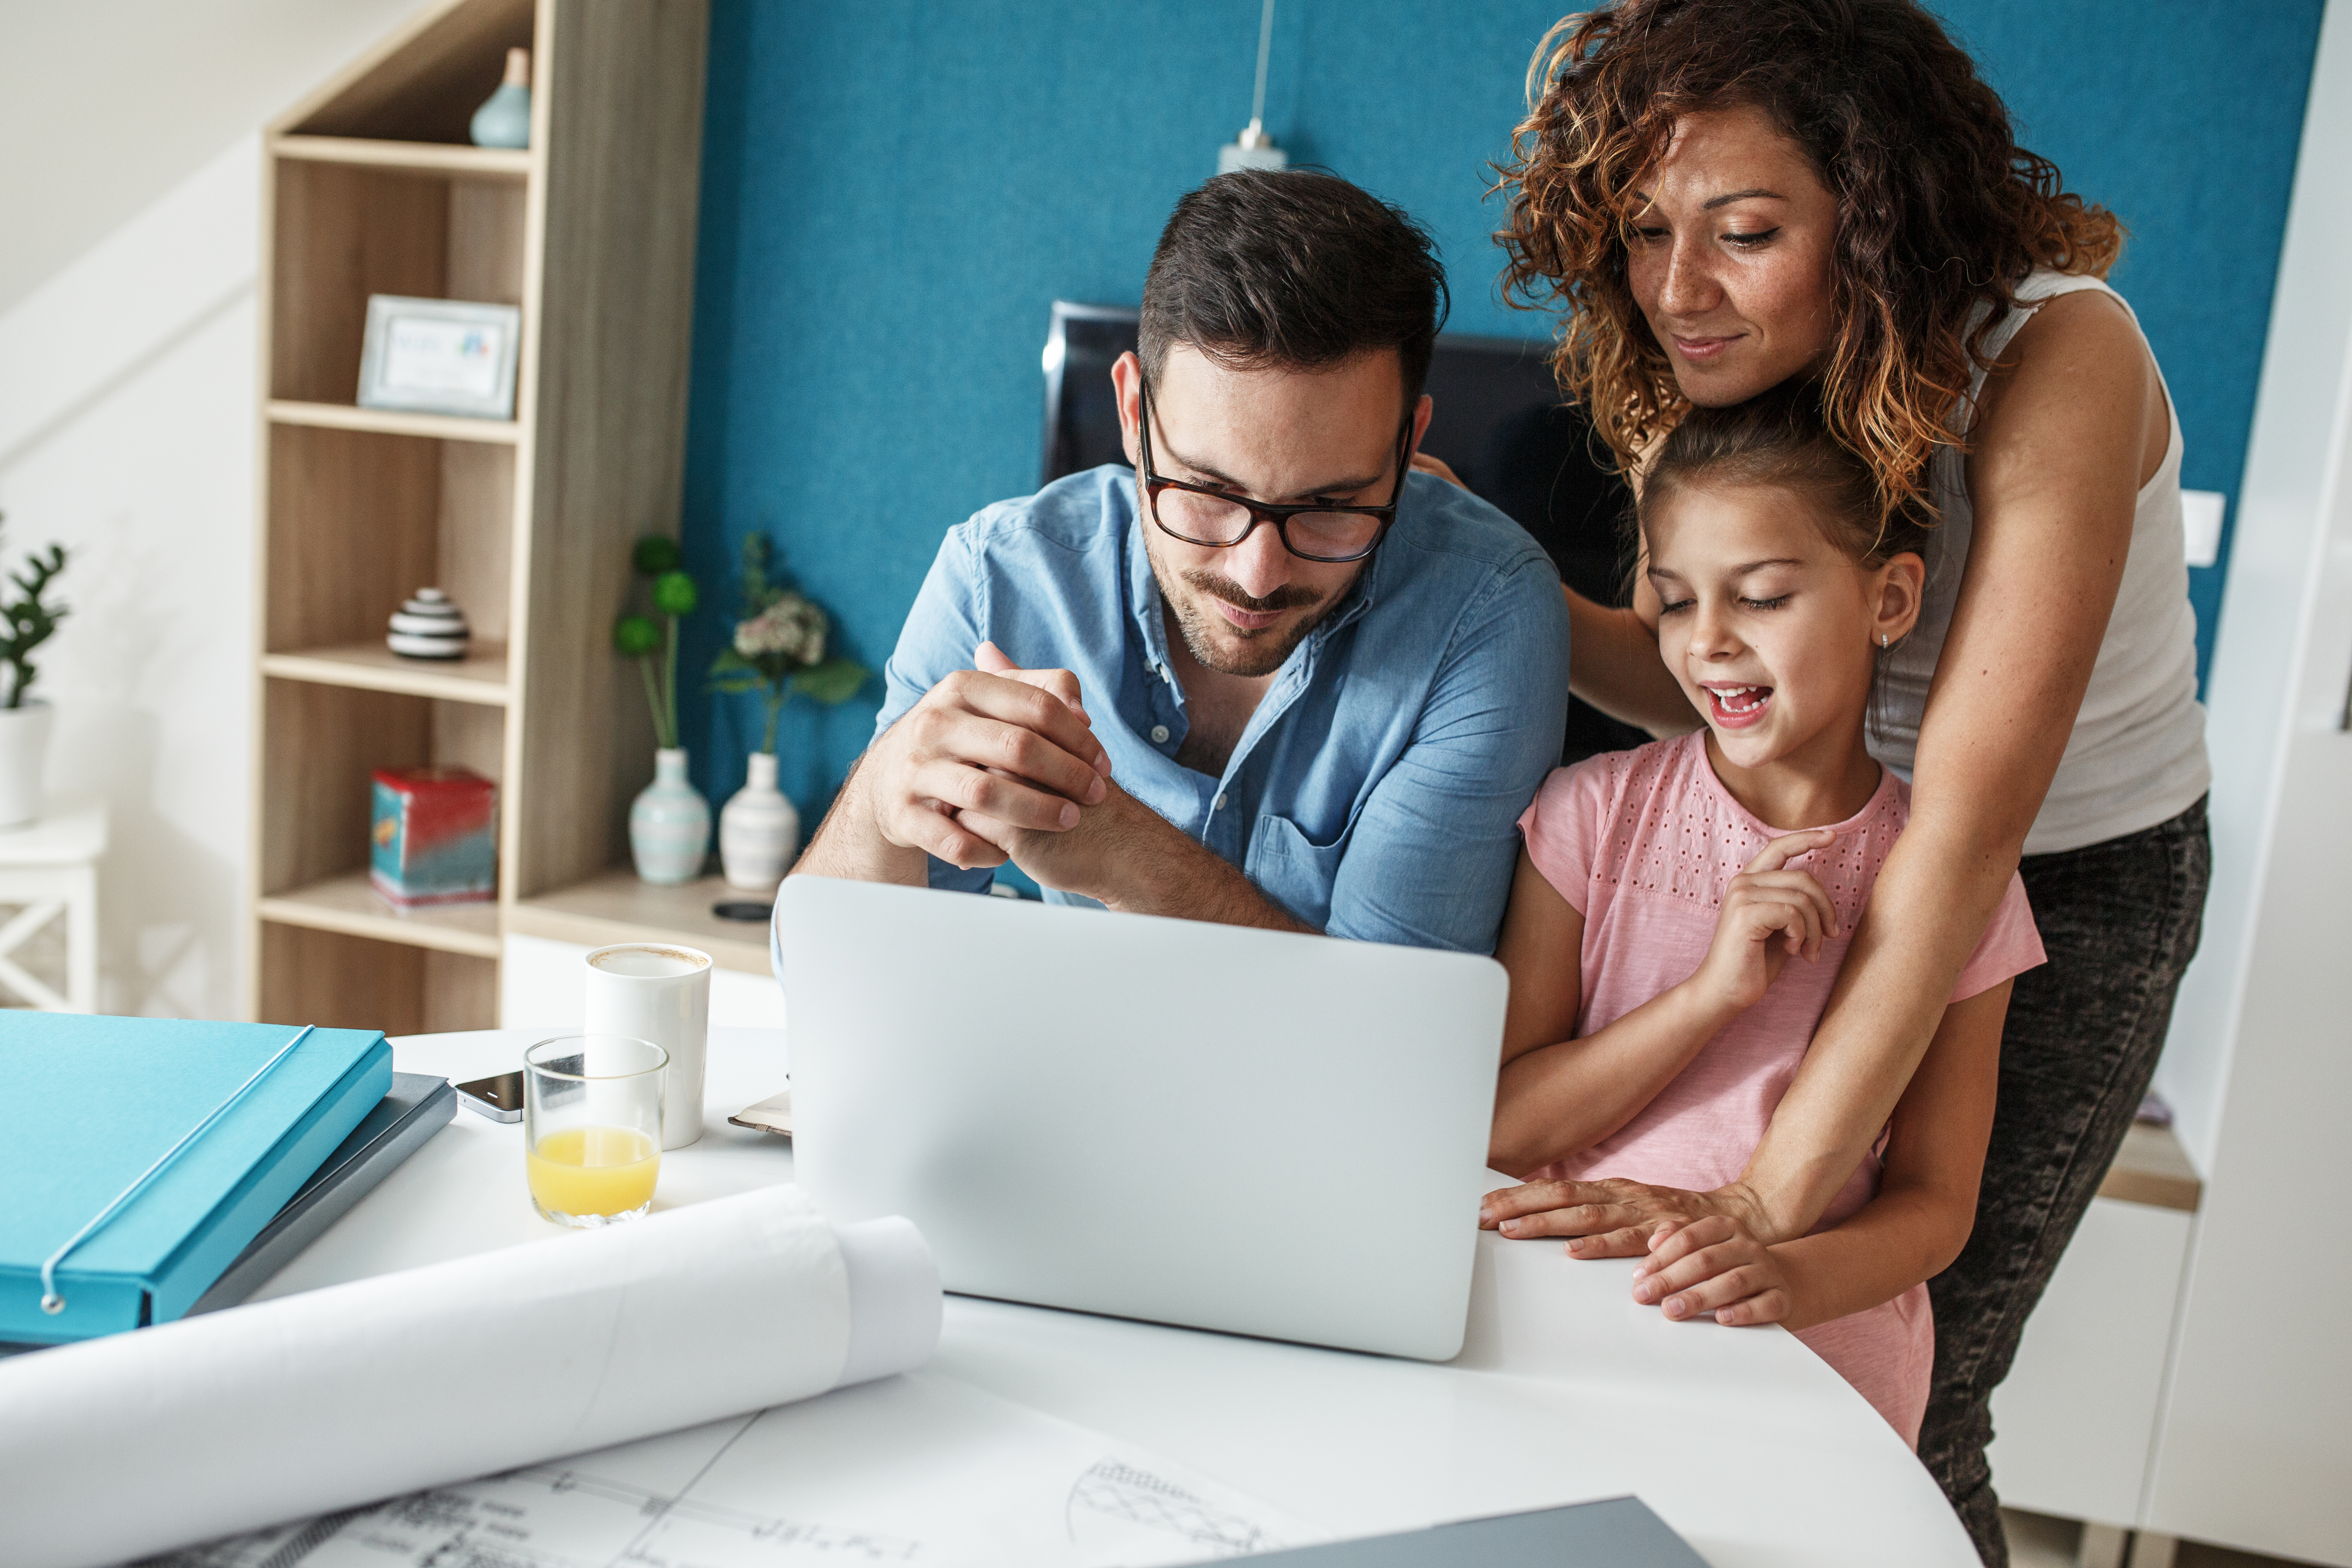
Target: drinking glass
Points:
(592, 1126)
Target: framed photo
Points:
(439, 356)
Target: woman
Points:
(1720, 195)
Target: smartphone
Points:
(499, 1098)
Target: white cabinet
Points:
(2075, 1424)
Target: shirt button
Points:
(1159, 734)
(1220, 803)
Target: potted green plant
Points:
(29, 621)
(669, 822)
(778, 648)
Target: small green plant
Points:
(779, 646)
(652, 640)
(30, 621)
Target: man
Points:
(1268, 675)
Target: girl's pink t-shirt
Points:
(1643, 844)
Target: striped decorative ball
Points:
(428, 627)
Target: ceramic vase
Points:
(758, 830)
(669, 826)
(24, 745)
(504, 119)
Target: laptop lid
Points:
(1258, 1131)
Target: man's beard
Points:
(1198, 623)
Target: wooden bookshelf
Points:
(372, 187)
(394, 422)
(479, 676)
(616, 907)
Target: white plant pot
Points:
(24, 746)
(758, 830)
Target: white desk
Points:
(1741, 1440)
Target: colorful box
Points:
(435, 839)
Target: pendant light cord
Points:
(1265, 45)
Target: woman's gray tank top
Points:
(2138, 753)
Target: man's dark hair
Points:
(1293, 268)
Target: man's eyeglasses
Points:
(1318, 531)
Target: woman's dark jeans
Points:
(2120, 921)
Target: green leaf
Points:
(656, 553)
(675, 595)
(635, 635)
(837, 679)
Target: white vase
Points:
(758, 830)
(24, 745)
(670, 824)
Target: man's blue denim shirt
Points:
(1377, 791)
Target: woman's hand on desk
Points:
(1611, 1218)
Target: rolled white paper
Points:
(121, 1446)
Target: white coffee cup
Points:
(658, 992)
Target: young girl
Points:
(1656, 1015)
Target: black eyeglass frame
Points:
(1279, 515)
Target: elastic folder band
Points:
(51, 1302)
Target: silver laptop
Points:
(1252, 1130)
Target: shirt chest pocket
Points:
(1292, 869)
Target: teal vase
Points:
(504, 119)
(669, 824)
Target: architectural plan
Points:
(922, 1469)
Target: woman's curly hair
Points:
(1938, 208)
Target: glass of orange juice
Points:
(592, 1122)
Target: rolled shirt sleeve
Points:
(1432, 851)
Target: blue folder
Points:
(88, 1104)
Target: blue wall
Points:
(894, 192)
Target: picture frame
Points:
(440, 356)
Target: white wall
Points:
(106, 105)
(127, 435)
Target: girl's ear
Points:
(1902, 583)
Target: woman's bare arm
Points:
(1613, 664)
(2069, 435)
(1927, 1200)
(1909, 1232)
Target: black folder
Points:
(416, 1109)
(1619, 1532)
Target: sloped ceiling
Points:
(106, 104)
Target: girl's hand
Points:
(1768, 912)
(1713, 1265)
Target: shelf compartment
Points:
(394, 422)
(321, 744)
(426, 157)
(346, 231)
(338, 980)
(618, 907)
(424, 83)
(480, 676)
(360, 520)
(349, 904)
